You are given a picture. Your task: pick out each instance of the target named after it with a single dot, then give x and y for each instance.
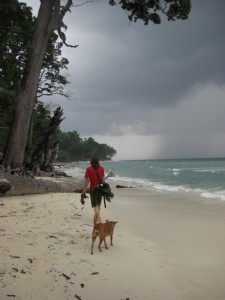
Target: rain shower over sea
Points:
(203, 178)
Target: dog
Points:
(102, 230)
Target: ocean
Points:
(203, 178)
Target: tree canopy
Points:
(150, 10)
(74, 148)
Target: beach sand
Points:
(165, 247)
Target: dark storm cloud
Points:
(122, 69)
(158, 80)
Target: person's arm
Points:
(110, 174)
(86, 185)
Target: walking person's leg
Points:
(96, 199)
(97, 212)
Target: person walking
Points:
(94, 174)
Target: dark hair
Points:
(94, 162)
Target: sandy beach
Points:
(165, 247)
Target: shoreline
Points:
(165, 247)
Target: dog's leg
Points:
(105, 244)
(111, 239)
(92, 245)
(94, 235)
(99, 246)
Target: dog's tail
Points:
(95, 220)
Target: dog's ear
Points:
(112, 221)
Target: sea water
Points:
(201, 177)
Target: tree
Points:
(69, 146)
(16, 27)
(50, 18)
(74, 148)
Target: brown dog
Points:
(102, 230)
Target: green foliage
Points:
(51, 82)
(73, 148)
(7, 106)
(16, 24)
(150, 10)
(41, 120)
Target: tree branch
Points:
(63, 38)
(64, 10)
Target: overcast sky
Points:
(155, 91)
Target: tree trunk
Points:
(30, 138)
(46, 23)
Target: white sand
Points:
(164, 248)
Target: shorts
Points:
(96, 197)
